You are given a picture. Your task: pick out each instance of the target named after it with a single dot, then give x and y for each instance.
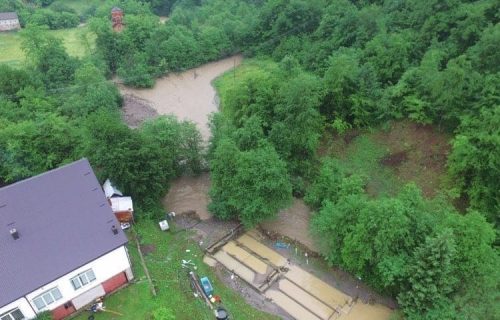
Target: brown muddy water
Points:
(189, 95)
(188, 194)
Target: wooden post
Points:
(146, 271)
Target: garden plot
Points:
(296, 291)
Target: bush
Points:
(54, 20)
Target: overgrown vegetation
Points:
(370, 62)
(194, 34)
(433, 259)
(61, 108)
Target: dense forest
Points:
(323, 65)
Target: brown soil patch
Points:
(147, 249)
(136, 110)
(394, 159)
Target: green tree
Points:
(250, 185)
(297, 124)
(138, 165)
(91, 92)
(30, 147)
(475, 161)
(334, 222)
(431, 276)
(49, 57)
(134, 70)
(390, 54)
(331, 183)
(486, 52)
(181, 142)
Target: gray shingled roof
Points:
(8, 15)
(64, 221)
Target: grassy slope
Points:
(170, 279)
(422, 153)
(76, 41)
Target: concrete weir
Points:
(298, 292)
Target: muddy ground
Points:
(188, 197)
(208, 231)
(413, 152)
(312, 262)
(136, 110)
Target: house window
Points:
(83, 279)
(14, 314)
(47, 298)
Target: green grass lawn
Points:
(78, 42)
(171, 281)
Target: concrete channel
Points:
(298, 292)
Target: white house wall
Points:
(6, 25)
(22, 305)
(105, 267)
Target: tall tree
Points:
(49, 57)
(250, 185)
(431, 276)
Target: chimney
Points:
(114, 229)
(14, 233)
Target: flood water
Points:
(189, 95)
(188, 194)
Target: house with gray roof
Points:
(61, 246)
(9, 21)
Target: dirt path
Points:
(189, 95)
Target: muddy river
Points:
(189, 95)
